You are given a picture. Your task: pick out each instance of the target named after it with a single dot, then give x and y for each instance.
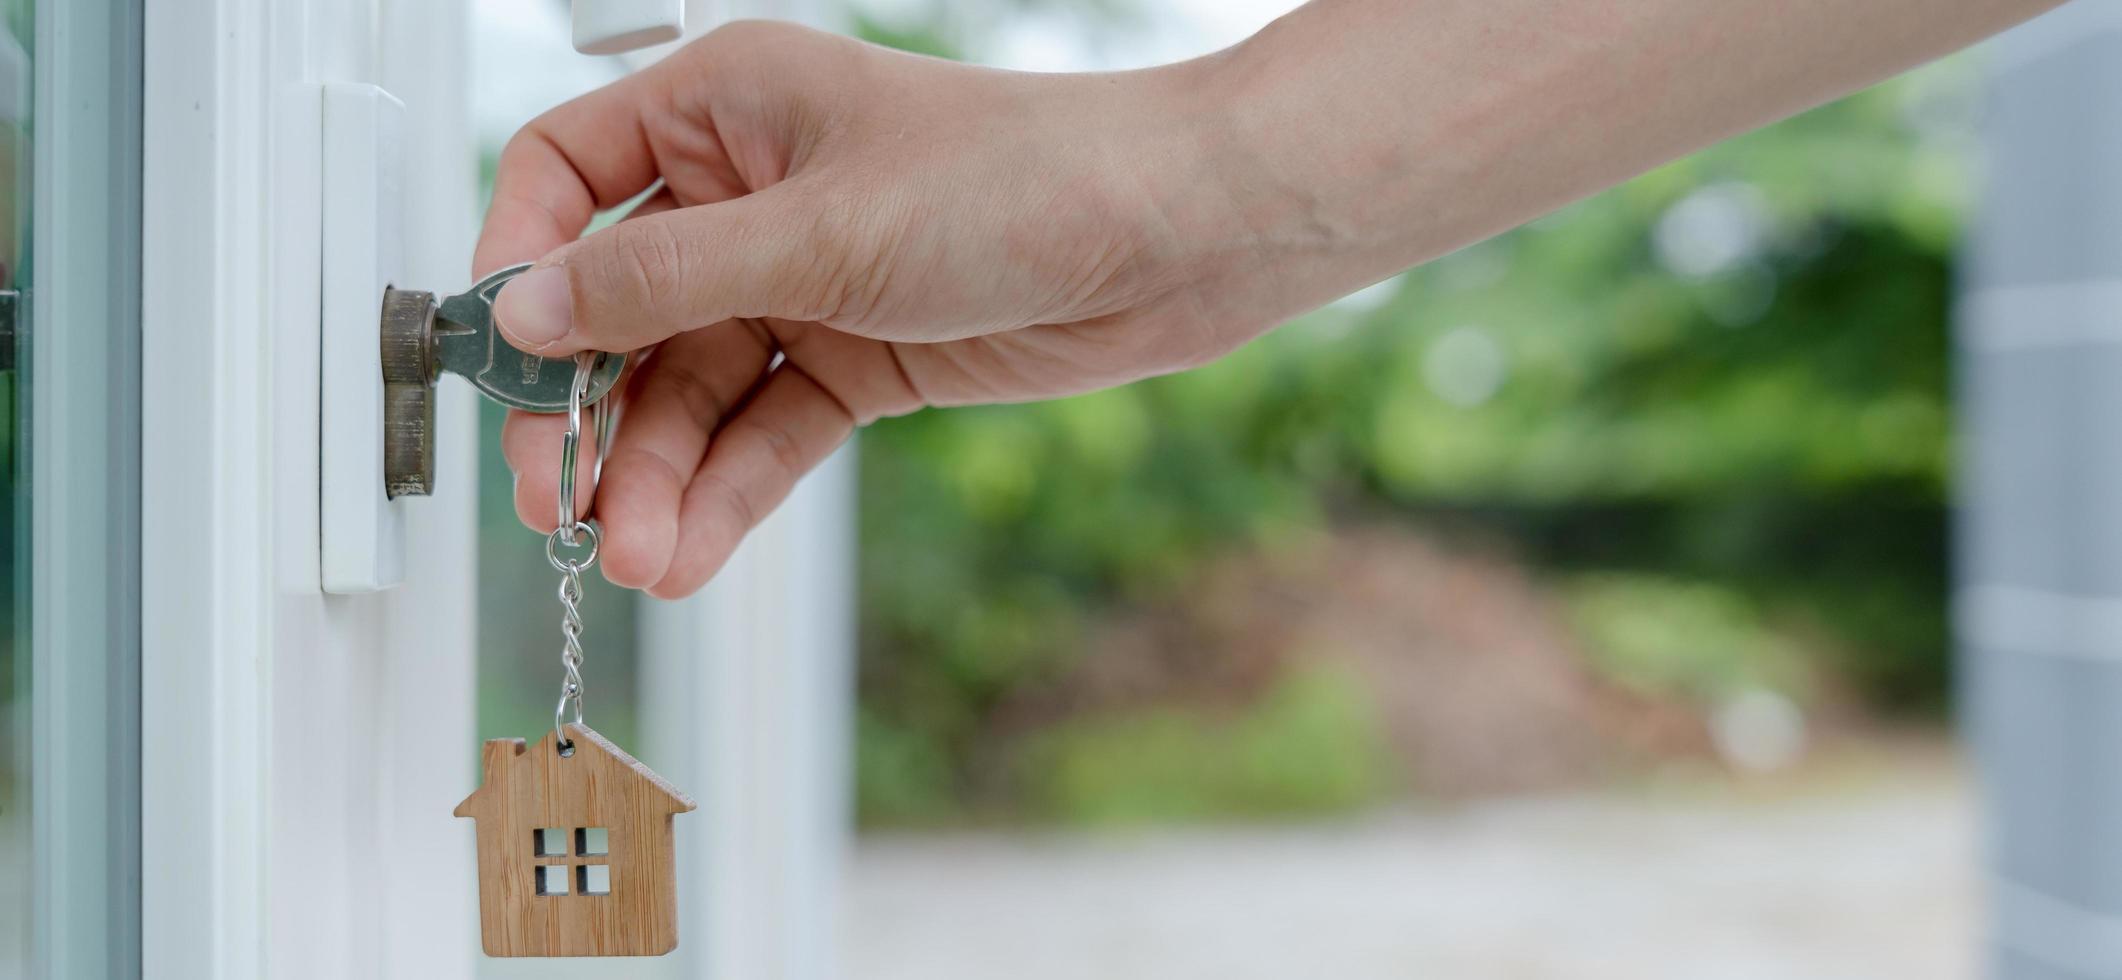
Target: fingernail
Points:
(535, 308)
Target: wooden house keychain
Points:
(575, 842)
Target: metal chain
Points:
(569, 533)
(570, 593)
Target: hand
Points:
(902, 231)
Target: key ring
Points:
(553, 544)
(604, 420)
(570, 450)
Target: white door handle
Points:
(618, 26)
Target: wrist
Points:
(1285, 204)
(1208, 182)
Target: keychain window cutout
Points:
(593, 879)
(549, 842)
(552, 879)
(592, 842)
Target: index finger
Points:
(583, 156)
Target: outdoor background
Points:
(1575, 605)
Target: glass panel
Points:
(72, 455)
(17, 28)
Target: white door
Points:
(301, 752)
(297, 746)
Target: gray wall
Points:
(2039, 605)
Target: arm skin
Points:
(1443, 122)
(906, 232)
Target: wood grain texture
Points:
(527, 789)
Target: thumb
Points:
(645, 279)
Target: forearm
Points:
(1356, 138)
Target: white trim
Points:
(203, 679)
(2016, 619)
(363, 171)
(2046, 315)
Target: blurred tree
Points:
(1730, 371)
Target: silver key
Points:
(467, 345)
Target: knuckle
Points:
(641, 267)
(782, 447)
(526, 140)
(848, 259)
(744, 513)
(695, 394)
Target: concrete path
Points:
(1880, 884)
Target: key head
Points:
(468, 345)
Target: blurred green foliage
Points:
(1713, 398)
(1312, 744)
(1697, 640)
